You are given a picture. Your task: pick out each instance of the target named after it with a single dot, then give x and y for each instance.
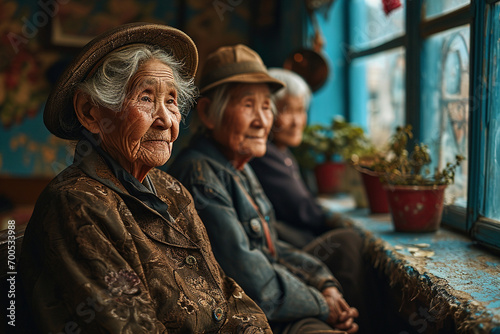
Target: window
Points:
(384, 94)
(445, 103)
(435, 65)
(435, 8)
(370, 26)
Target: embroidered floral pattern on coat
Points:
(97, 260)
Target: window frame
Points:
(478, 16)
(485, 230)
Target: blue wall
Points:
(330, 100)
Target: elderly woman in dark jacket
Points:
(300, 218)
(297, 292)
(115, 245)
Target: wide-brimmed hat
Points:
(238, 64)
(59, 115)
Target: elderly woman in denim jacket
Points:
(115, 245)
(297, 291)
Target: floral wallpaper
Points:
(26, 146)
(23, 87)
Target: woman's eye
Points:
(146, 98)
(171, 101)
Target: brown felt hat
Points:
(59, 115)
(238, 64)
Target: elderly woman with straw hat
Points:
(115, 245)
(298, 293)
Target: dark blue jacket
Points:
(293, 203)
(286, 286)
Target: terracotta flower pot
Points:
(375, 192)
(329, 176)
(416, 208)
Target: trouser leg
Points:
(342, 251)
(293, 235)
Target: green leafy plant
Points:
(402, 167)
(337, 141)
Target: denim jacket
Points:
(287, 285)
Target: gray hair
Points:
(107, 86)
(219, 97)
(295, 85)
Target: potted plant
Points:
(415, 196)
(368, 165)
(331, 145)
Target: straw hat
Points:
(238, 64)
(59, 115)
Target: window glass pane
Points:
(445, 104)
(435, 8)
(378, 93)
(493, 145)
(370, 25)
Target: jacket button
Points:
(218, 314)
(190, 260)
(255, 225)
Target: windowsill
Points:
(458, 281)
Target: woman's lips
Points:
(157, 142)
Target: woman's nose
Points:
(298, 119)
(162, 118)
(263, 116)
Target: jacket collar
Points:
(208, 147)
(91, 163)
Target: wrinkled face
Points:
(140, 136)
(290, 122)
(246, 123)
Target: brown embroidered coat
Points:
(97, 260)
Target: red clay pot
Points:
(375, 192)
(416, 208)
(329, 176)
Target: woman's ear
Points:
(202, 107)
(86, 111)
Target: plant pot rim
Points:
(366, 170)
(331, 163)
(414, 187)
(328, 162)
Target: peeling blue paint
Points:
(470, 272)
